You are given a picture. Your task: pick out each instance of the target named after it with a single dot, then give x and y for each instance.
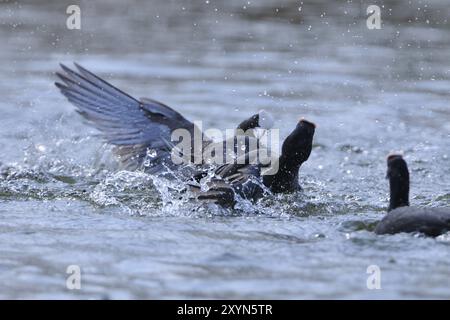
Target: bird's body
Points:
(142, 130)
(403, 218)
(429, 221)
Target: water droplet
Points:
(40, 148)
(151, 153)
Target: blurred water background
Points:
(62, 202)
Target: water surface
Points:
(370, 92)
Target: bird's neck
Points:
(286, 178)
(399, 196)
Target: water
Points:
(63, 202)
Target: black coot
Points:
(250, 180)
(403, 218)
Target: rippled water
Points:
(63, 202)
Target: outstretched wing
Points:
(139, 129)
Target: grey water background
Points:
(370, 92)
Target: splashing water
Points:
(64, 200)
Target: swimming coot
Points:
(403, 218)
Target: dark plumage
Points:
(133, 126)
(249, 180)
(398, 175)
(295, 151)
(141, 132)
(401, 217)
(262, 119)
(137, 128)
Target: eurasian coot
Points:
(403, 218)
